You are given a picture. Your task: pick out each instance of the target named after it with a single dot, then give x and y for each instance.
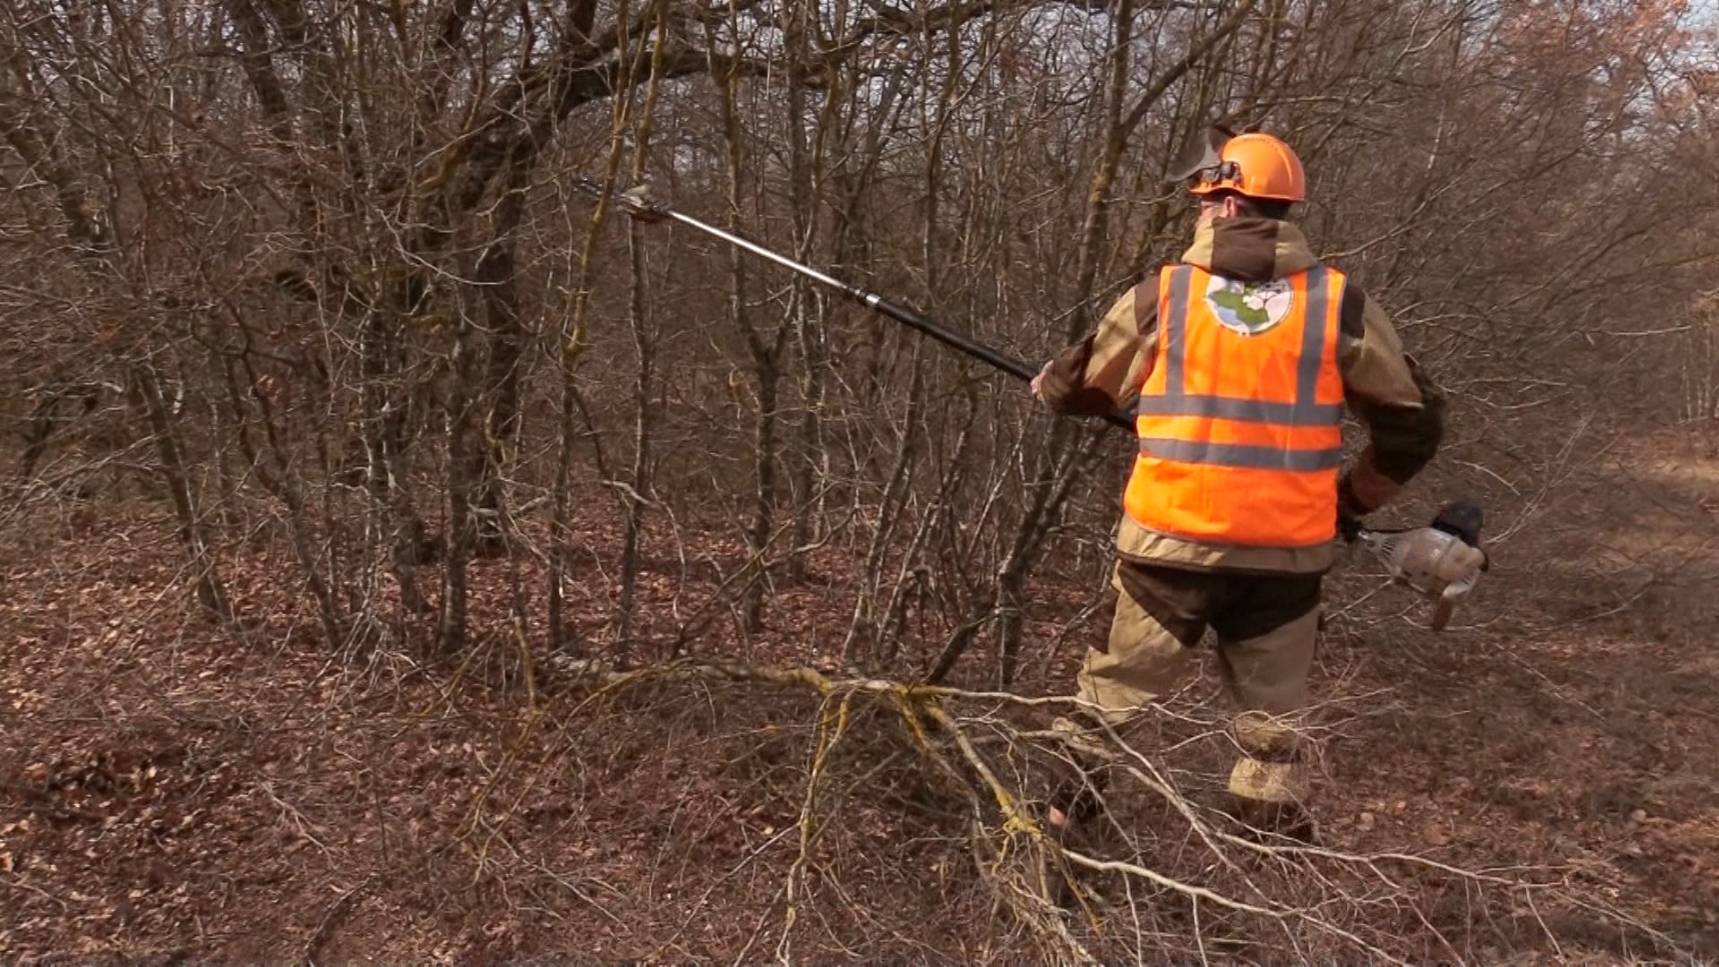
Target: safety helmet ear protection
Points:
(1254, 164)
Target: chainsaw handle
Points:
(1459, 518)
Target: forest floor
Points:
(171, 794)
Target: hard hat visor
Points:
(1202, 152)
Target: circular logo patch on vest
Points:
(1249, 308)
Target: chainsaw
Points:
(1443, 560)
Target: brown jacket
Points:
(1402, 410)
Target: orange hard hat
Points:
(1254, 164)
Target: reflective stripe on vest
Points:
(1306, 410)
(1240, 455)
(1241, 442)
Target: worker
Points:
(1242, 356)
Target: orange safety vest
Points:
(1240, 419)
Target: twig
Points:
(335, 911)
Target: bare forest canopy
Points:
(318, 269)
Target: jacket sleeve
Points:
(1097, 375)
(1399, 404)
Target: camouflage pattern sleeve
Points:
(1402, 409)
(1099, 374)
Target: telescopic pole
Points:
(643, 208)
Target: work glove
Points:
(1350, 511)
(1348, 525)
(1463, 519)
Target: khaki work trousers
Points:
(1266, 626)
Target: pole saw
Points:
(639, 204)
(1442, 561)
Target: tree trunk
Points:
(633, 502)
(211, 594)
(811, 462)
(497, 274)
(286, 486)
(465, 463)
(399, 532)
(769, 378)
(44, 420)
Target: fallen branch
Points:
(1024, 865)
